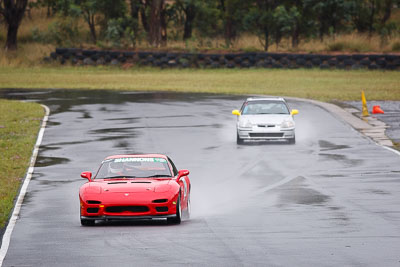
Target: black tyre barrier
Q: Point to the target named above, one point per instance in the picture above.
(60, 51)
(79, 56)
(381, 63)
(343, 57)
(143, 55)
(325, 57)
(102, 53)
(276, 56)
(94, 57)
(129, 54)
(373, 67)
(316, 61)
(88, 53)
(107, 58)
(238, 59)
(285, 61)
(332, 62)
(74, 61)
(301, 61)
(365, 62)
(300, 56)
(356, 67)
(308, 65)
(171, 56)
(396, 62)
(245, 64)
(390, 67)
(100, 61)
(163, 60)
(261, 56)
(349, 62)
(308, 57)
(359, 57)
(114, 62)
(66, 55)
(374, 57)
(324, 66)
(88, 61)
(391, 57)
(341, 66)
(114, 54)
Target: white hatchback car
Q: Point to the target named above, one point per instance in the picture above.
(265, 119)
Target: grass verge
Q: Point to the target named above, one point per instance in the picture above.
(19, 125)
(324, 85)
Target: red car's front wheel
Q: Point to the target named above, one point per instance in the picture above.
(177, 219)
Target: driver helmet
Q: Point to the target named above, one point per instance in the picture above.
(115, 167)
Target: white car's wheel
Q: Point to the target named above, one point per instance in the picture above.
(239, 140)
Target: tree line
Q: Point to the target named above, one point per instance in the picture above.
(154, 20)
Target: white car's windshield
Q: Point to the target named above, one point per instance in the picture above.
(134, 167)
(264, 107)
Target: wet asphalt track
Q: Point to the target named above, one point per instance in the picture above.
(332, 199)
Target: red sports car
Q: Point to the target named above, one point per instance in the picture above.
(126, 187)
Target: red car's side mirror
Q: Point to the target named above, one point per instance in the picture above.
(182, 173)
(87, 175)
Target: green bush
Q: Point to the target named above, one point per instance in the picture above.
(37, 35)
(63, 32)
(348, 46)
(396, 47)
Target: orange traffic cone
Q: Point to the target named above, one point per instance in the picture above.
(377, 110)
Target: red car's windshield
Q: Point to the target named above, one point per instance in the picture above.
(134, 167)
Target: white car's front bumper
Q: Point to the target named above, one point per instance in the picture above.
(260, 133)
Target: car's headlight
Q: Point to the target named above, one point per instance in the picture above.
(287, 124)
(245, 124)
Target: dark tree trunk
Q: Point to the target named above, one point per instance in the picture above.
(321, 31)
(13, 12)
(371, 19)
(156, 24)
(11, 43)
(387, 11)
(143, 15)
(92, 29)
(297, 25)
(90, 19)
(163, 23)
(230, 33)
(48, 9)
(295, 35)
(135, 8)
(190, 13)
(266, 39)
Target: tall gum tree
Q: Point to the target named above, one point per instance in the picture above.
(12, 11)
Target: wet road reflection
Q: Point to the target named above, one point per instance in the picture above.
(331, 199)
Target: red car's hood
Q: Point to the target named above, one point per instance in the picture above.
(132, 185)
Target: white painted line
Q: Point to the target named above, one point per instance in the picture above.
(390, 149)
(14, 217)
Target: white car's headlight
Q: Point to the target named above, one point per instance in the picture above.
(287, 124)
(245, 124)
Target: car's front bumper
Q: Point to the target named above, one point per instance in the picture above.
(130, 218)
(257, 133)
